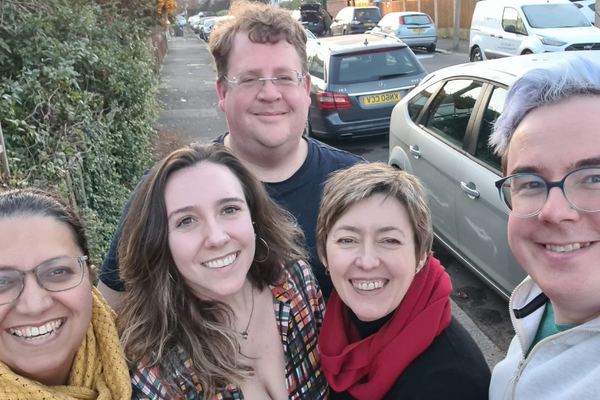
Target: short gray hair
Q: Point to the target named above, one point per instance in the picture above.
(539, 87)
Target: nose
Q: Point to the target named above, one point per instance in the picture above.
(269, 92)
(34, 299)
(368, 258)
(557, 208)
(215, 235)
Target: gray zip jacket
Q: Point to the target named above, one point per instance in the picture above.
(560, 367)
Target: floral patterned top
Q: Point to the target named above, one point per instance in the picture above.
(299, 308)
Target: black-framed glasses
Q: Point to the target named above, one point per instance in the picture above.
(525, 194)
(55, 275)
(252, 82)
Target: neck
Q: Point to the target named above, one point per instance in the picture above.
(270, 165)
(56, 377)
(574, 314)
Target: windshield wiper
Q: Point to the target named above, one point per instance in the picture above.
(392, 75)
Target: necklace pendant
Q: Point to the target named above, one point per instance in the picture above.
(244, 335)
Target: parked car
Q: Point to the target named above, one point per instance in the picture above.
(195, 25)
(416, 29)
(180, 21)
(204, 14)
(588, 9)
(204, 27)
(504, 28)
(193, 19)
(212, 24)
(439, 132)
(355, 20)
(355, 83)
(310, 35)
(310, 17)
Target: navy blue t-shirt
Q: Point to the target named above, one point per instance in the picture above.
(300, 195)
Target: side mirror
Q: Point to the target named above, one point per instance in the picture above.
(510, 29)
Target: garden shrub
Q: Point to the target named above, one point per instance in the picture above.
(77, 92)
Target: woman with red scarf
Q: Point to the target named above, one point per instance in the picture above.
(388, 331)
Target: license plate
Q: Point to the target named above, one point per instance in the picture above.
(369, 24)
(381, 98)
(420, 30)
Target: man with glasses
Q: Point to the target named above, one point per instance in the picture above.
(549, 139)
(263, 87)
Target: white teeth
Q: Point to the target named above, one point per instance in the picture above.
(368, 286)
(33, 332)
(222, 262)
(567, 248)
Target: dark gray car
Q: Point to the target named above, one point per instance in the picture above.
(355, 83)
(355, 20)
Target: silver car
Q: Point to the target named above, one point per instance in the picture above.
(439, 132)
(416, 29)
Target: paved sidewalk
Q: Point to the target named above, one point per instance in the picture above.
(446, 45)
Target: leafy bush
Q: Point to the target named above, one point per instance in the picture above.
(78, 89)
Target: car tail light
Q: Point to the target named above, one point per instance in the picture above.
(430, 20)
(330, 100)
(401, 20)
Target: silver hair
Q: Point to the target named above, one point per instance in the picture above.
(576, 76)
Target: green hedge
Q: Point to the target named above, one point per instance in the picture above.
(78, 103)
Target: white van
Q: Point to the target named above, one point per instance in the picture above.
(504, 28)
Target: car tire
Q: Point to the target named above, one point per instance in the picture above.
(476, 54)
(344, 32)
(526, 51)
(307, 129)
(431, 49)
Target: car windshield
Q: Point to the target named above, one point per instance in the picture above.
(376, 65)
(367, 14)
(548, 16)
(416, 20)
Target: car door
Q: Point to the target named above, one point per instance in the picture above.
(437, 149)
(481, 217)
(509, 39)
(338, 22)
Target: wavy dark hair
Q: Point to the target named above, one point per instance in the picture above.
(162, 318)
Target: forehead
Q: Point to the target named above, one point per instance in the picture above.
(51, 237)
(262, 57)
(374, 210)
(204, 183)
(554, 138)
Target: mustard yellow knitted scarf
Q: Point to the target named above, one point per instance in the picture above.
(99, 370)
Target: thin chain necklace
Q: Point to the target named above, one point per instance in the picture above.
(245, 333)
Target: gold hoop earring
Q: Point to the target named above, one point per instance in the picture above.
(266, 245)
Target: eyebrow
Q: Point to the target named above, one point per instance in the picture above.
(220, 202)
(13, 267)
(532, 169)
(383, 229)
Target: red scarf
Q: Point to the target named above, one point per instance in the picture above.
(368, 368)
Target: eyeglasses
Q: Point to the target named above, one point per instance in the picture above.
(525, 195)
(253, 83)
(55, 275)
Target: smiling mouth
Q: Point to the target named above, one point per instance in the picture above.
(567, 248)
(222, 262)
(369, 285)
(38, 332)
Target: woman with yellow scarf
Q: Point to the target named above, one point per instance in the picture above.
(57, 334)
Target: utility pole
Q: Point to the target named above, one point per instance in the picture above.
(597, 23)
(456, 36)
(435, 14)
(4, 171)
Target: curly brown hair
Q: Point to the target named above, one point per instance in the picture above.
(263, 24)
(162, 317)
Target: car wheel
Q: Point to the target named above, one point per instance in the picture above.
(307, 130)
(344, 32)
(431, 49)
(526, 52)
(476, 54)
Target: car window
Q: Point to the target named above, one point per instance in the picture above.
(374, 65)
(416, 104)
(367, 14)
(418, 19)
(317, 66)
(452, 108)
(546, 16)
(592, 7)
(483, 151)
(512, 17)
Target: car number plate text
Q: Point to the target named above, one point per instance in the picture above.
(420, 30)
(369, 24)
(381, 98)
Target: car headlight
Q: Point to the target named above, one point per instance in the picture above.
(550, 41)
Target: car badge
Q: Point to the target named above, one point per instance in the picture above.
(381, 84)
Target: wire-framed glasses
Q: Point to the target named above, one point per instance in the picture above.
(525, 194)
(283, 80)
(55, 275)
